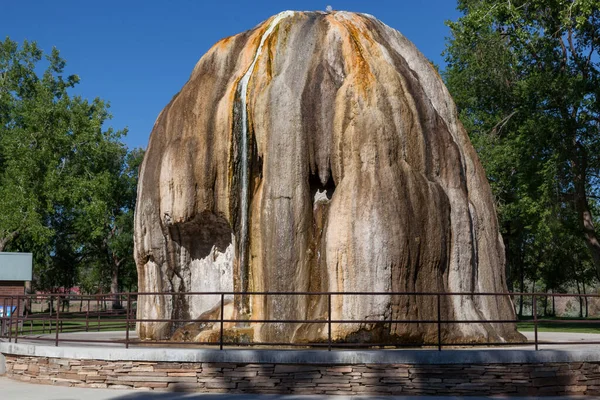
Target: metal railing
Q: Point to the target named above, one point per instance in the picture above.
(68, 314)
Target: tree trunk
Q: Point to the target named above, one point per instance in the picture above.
(582, 207)
(114, 286)
(522, 289)
(507, 255)
(532, 299)
(27, 310)
(587, 224)
(6, 239)
(585, 299)
(580, 299)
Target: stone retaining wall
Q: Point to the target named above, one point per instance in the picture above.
(561, 378)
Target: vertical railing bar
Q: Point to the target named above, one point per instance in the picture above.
(535, 322)
(18, 311)
(10, 321)
(128, 318)
(99, 311)
(31, 302)
(439, 319)
(57, 319)
(87, 316)
(222, 317)
(329, 322)
(3, 320)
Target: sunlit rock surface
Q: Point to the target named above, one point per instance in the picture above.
(317, 152)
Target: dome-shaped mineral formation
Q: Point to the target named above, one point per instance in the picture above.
(318, 152)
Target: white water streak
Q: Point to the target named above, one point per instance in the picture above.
(244, 140)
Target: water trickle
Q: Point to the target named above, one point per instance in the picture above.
(245, 179)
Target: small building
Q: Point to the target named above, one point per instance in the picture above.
(15, 270)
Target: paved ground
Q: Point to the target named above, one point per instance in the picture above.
(14, 390)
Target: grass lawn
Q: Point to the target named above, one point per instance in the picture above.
(36, 326)
(561, 325)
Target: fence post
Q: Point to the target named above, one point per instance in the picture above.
(87, 316)
(57, 319)
(328, 321)
(18, 311)
(222, 317)
(439, 323)
(128, 317)
(535, 322)
(10, 321)
(3, 318)
(99, 311)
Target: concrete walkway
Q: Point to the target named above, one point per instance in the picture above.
(14, 390)
(575, 340)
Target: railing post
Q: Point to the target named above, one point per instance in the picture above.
(10, 321)
(128, 317)
(98, 311)
(3, 318)
(57, 319)
(439, 323)
(222, 317)
(87, 316)
(328, 321)
(535, 322)
(18, 311)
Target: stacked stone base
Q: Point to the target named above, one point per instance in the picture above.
(565, 378)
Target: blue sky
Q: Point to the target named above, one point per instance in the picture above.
(138, 54)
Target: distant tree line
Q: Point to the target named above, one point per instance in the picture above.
(525, 77)
(67, 184)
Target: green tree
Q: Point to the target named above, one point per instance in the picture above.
(65, 182)
(525, 77)
(108, 227)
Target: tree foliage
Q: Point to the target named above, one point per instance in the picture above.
(525, 76)
(67, 186)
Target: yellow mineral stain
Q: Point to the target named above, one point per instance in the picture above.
(270, 45)
(223, 43)
(353, 52)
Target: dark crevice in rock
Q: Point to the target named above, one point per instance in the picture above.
(317, 305)
(235, 156)
(193, 240)
(200, 234)
(319, 190)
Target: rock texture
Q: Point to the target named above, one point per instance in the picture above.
(318, 152)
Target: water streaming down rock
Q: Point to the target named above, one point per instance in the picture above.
(327, 148)
(243, 242)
